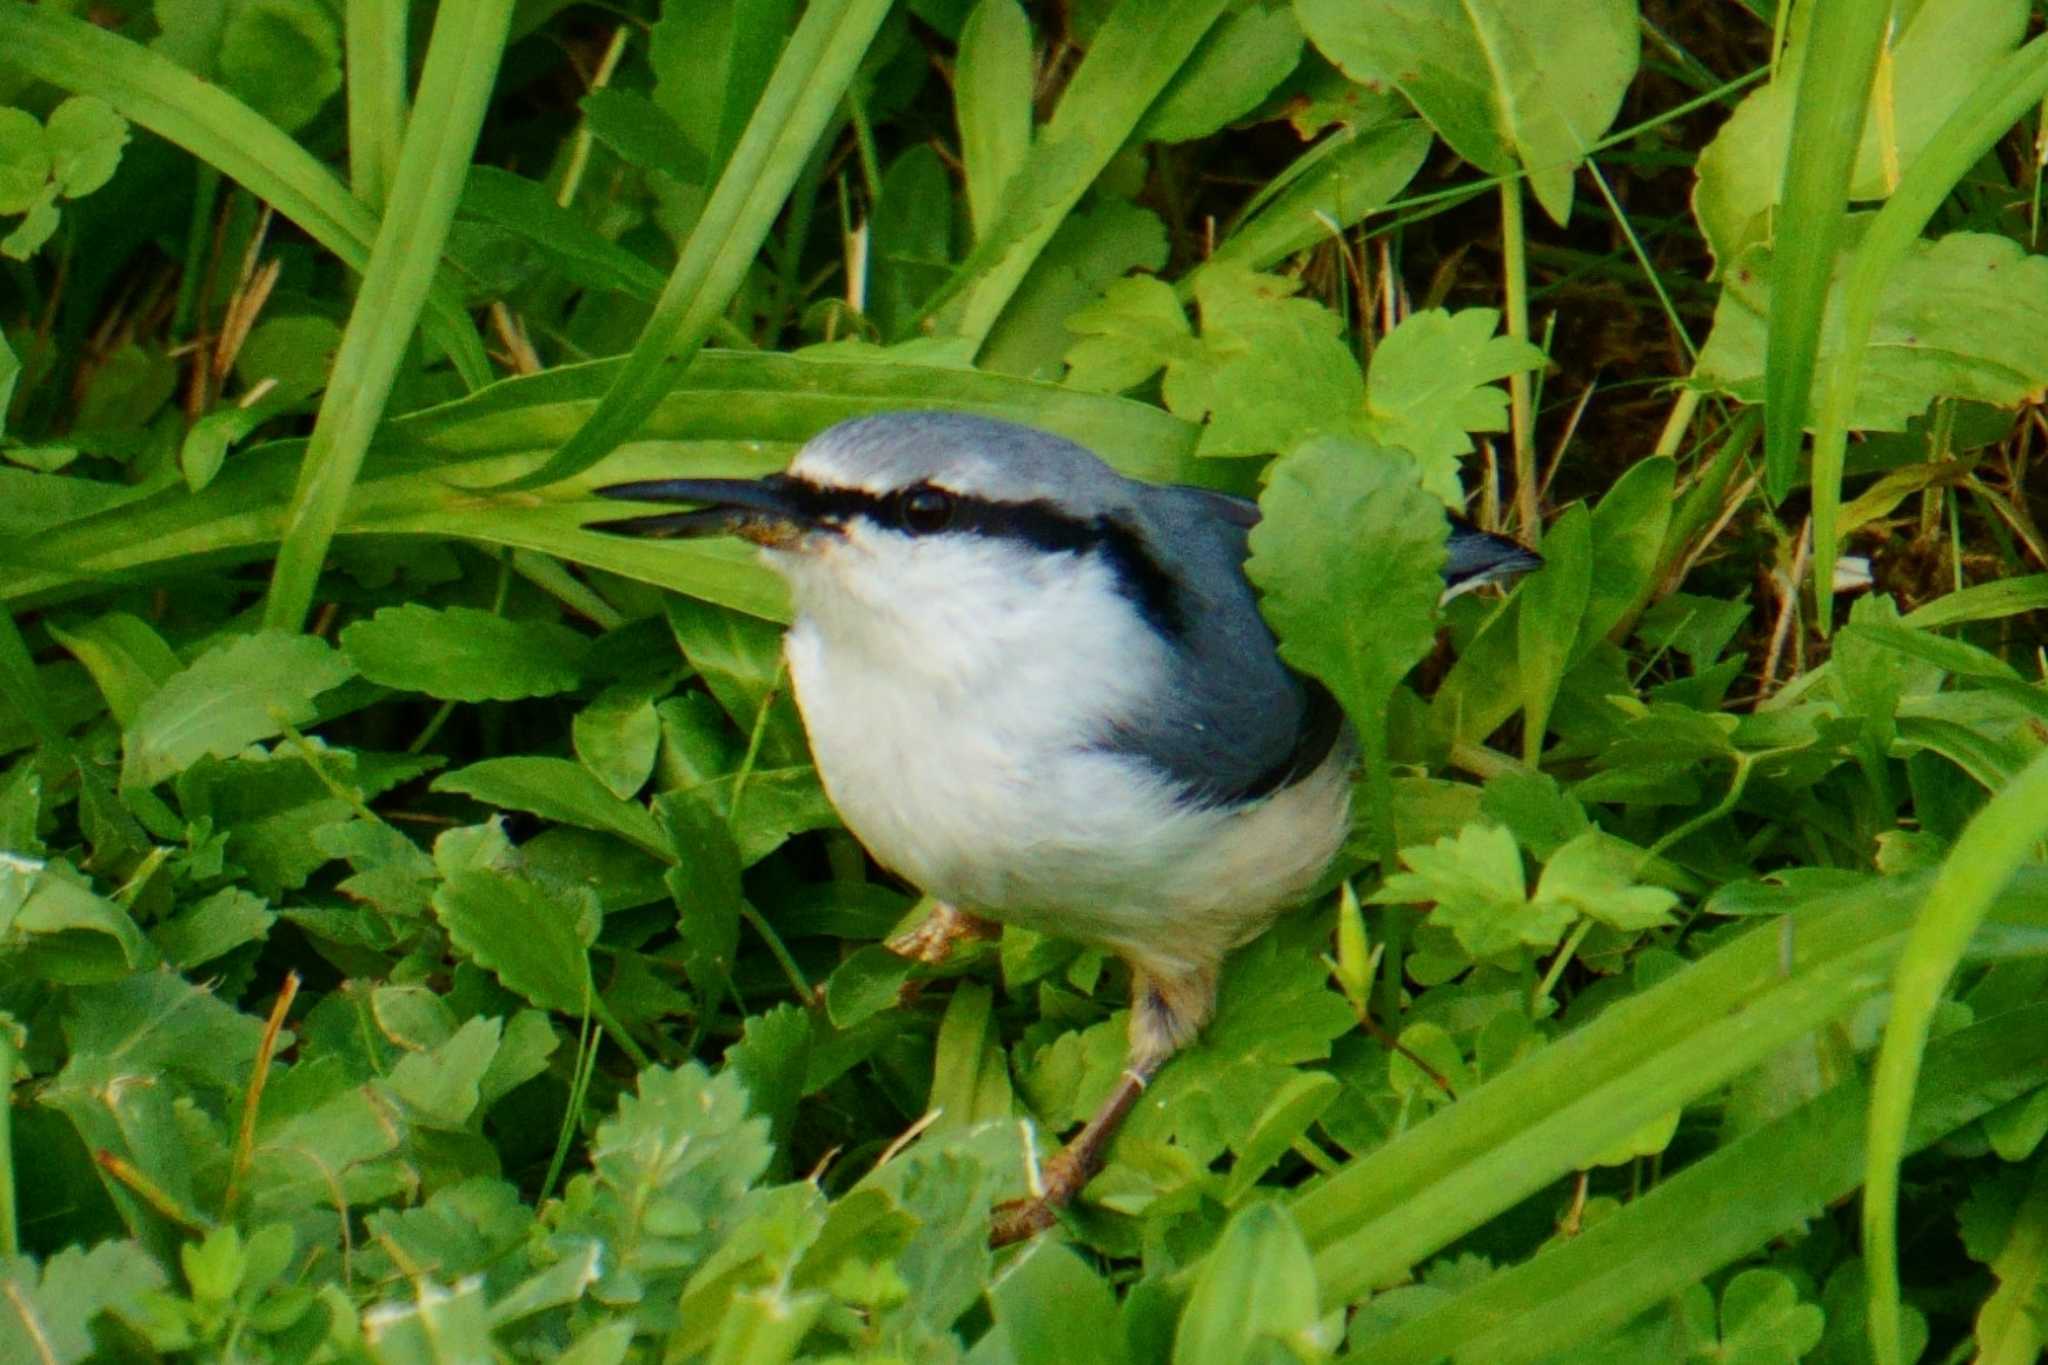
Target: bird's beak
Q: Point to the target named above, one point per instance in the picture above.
(765, 511)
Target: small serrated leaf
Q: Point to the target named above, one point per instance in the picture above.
(462, 654)
(235, 694)
(535, 939)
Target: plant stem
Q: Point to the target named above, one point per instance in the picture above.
(1514, 251)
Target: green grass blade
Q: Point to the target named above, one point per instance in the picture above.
(1688, 1227)
(455, 90)
(1992, 847)
(794, 111)
(1549, 1115)
(1988, 114)
(1133, 56)
(1843, 39)
(1983, 602)
(151, 90)
(732, 413)
(376, 96)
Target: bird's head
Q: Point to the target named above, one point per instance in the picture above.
(916, 511)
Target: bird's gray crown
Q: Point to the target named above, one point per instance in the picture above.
(976, 456)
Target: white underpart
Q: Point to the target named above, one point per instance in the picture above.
(957, 691)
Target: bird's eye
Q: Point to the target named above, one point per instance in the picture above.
(924, 509)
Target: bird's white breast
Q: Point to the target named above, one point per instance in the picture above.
(957, 705)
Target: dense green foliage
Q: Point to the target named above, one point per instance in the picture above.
(423, 936)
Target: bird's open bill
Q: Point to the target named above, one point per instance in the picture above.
(765, 511)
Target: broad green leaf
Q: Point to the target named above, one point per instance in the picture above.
(444, 1086)
(1943, 50)
(1346, 554)
(1431, 382)
(85, 137)
(1627, 534)
(436, 1326)
(2005, 1225)
(1254, 1291)
(1962, 317)
(205, 447)
(1763, 1320)
(992, 79)
(1595, 875)
(705, 883)
(294, 353)
(555, 789)
(1235, 66)
(47, 1314)
(525, 208)
(457, 1231)
(642, 132)
(1475, 883)
(1272, 372)
(864, 985)
(462, 654)
(970, 1078)
(1286, 1117)
(128, 660)
(212, 928)
(536, 939)
(1051, 1306)
(618, 734)
(1548, 612)
(711, 61)
(25, 161)
(235, 694)
(52, 926)
(283, 57)
(1350, 174)
(1528, 84)
(1101, 242)
(740, 660)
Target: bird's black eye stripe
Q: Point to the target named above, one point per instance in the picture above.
(1036, 523)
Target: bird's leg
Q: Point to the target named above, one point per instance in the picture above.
(932, 939)
(1167, 1011)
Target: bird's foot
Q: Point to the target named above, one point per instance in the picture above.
(1073, 1167)
(932, 939)
(1061, 1180)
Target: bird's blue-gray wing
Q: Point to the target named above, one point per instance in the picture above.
(1234, 723)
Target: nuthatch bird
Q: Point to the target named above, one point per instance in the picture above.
(1042, 693)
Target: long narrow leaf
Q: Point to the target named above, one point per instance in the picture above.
(809, 80)
(2014, 87)
(1985, 858)
(455, 89)
(1843, 39)
(220, 130)
(1134, 55)
(1553, 1113)
(376, 96)
(1687, 1227)
(731, 413)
